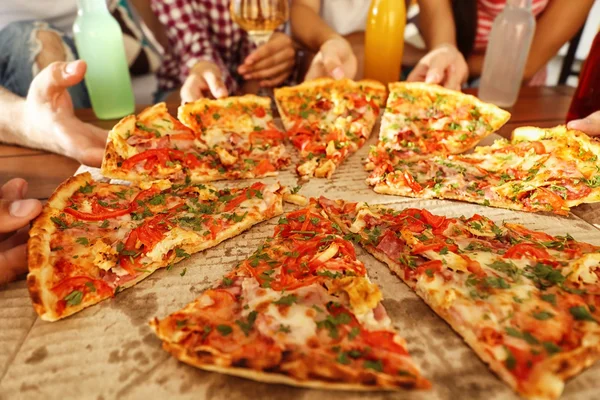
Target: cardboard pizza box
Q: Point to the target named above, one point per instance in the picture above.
(109, 352)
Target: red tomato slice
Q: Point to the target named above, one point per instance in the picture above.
(162, 155)
(410, 182)
(382, 340)
(545, 196)
(96, 216)
(266, 135)
(433, 265)
(260, 112)
(263, 167)
(521, 250)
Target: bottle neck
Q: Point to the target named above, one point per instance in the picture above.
(526, 4)
(92, 6)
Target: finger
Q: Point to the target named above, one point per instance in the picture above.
(274, 81)
(15, 239)
(437, 69)
(316, 68)
(268, 73)
(91, 156)
(453, 79)
(418, 73)
(192, 88)
(277, 43)
(215, 84)
(13, 263)
(589, 125)
(333, 65)
(14, 189)
(284, 56)
(55, 78)
(17, 214)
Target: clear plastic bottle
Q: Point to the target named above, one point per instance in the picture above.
(506, 54)
(99, 42)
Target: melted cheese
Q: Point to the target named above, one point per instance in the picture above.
(584, 269)
(364, 296)
(105, 257)
(174, 238)
(161, 184)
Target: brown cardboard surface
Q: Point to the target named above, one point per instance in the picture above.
(109, 352)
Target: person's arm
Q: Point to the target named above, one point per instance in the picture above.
(201, 66)
(556, 26)
(443, 64)
(436, 23)
(334, 57)
(46, 119)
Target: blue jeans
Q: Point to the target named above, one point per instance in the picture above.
(19, 47)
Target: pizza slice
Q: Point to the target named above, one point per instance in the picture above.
(299, 311)
(231, 138)
(526, 302)
(539, 170)
(94, 239)
(327, 120)
(422, 120)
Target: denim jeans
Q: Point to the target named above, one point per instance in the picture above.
(19, 47)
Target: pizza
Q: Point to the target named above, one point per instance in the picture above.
(422, 120)
(94, 239)
(526, 302)
(327, 120)
(301, 311)
(547, 170)
(231, 138)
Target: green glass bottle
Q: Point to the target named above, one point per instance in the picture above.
(99, 42)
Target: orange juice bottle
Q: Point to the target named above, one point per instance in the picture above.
(384, 40)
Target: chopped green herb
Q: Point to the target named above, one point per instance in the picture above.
(246, 326)
(227, 281)
(224, 330)
(183, 272)
(87, 188)
(181, 323)
(374, 365)
(550, 298)
(287, 300)
(74, 298)
(542, 315)
(90, 286)
(82, 240)
(353, 333)
(104, 224)
(581, 313)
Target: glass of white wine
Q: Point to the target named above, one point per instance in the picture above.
(259, 17)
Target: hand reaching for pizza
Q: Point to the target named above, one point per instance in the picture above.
(444, 65)
(15, 214)
(205, 76)
(589, 124)
(48, 119)
(334, 59)
(271, 63)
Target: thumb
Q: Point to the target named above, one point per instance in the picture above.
(589, 125)
(333, 65)
(437, 70)
(17, 214)
(57, 77)
(215, 84)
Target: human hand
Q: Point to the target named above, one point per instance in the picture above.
(49, 120)
(15, 213)
(589, 124)
(335, 59)
(444, 65)
(271, 63)
(204, 76)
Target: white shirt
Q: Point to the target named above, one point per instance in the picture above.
(59, 13)
(345, 16)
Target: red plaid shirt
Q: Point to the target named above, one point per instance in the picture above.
(200, 30)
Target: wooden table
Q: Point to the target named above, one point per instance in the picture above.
(541, 106)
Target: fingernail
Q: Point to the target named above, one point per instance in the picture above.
(338, 73)
(22, 208)
(71, 68)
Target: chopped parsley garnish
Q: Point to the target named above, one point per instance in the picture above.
(82, 240)
(181, 323)
(74, 298)
(181, 253)
(542, 315)
(227, 281)
(157, 199)
(581, 313)
(246, 326)
(224, 330)
(528, 337)
(376, 365)
(87, 188)
(550, 298)
(183, 272)
(90, 286)
(353, 333)
(149, 130)
(287, 300)
(510, 361)
(331, 323)
(104, 224)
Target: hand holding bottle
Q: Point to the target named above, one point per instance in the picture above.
(205, 76)
(589, 124)
(335, 59)
(48, 119)
(444, 65)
